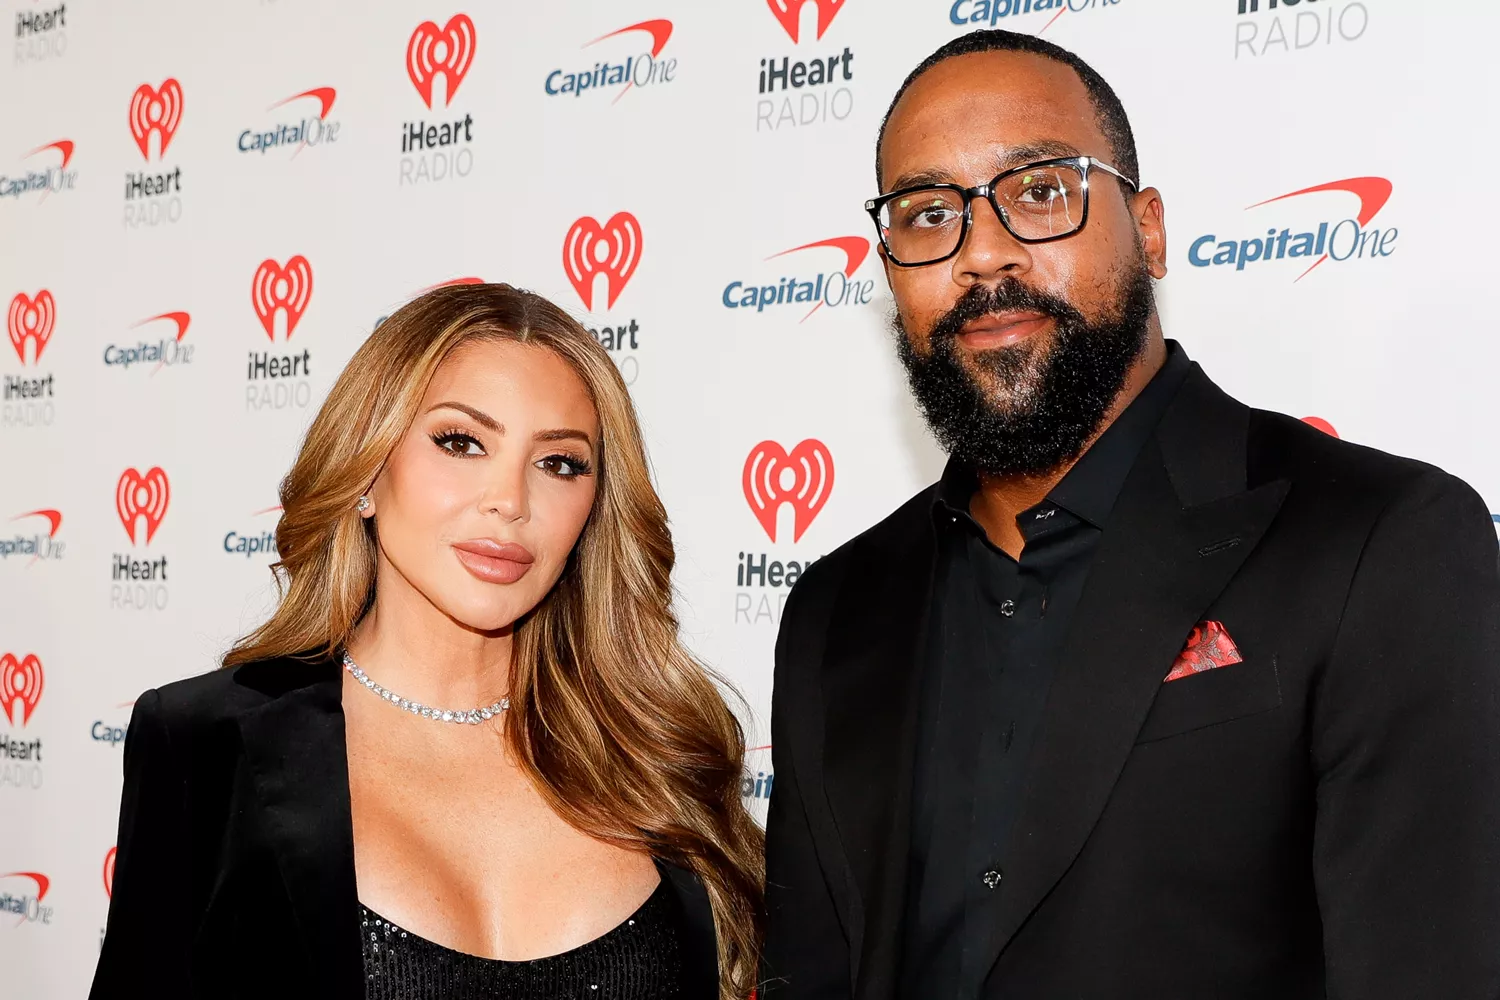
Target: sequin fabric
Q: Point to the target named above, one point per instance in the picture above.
(641, 959)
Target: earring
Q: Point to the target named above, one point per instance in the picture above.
(363, 504)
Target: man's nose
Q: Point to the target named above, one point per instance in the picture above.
(989, 252)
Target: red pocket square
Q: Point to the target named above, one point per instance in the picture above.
(1208, 647)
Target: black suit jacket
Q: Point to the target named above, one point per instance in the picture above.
(235, 870)
(1322, 819)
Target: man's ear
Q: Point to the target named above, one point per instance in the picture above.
(1149, 215)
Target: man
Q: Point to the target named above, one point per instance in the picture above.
(1153, 694)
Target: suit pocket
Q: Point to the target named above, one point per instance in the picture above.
(1214, 696)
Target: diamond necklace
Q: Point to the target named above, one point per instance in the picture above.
(472, 717)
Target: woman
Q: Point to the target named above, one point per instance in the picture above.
(467, 755)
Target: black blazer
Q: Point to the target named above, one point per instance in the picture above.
(1321, 819)
(235, 870)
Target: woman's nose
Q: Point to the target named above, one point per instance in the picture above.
(507, 496)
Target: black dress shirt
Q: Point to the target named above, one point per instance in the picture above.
(997, 626)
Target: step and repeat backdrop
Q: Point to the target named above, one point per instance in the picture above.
(204, 209)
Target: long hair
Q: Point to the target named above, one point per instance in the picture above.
(625, 734)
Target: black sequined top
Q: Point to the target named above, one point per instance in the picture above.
(640, 959)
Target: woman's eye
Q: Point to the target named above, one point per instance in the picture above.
(563, 466)
(460, 444)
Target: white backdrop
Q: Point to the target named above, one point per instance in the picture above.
(364, 157)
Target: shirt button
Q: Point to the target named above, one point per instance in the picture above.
(992, 878)
(1007, 608)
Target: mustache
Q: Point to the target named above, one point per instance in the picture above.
(1010, 295)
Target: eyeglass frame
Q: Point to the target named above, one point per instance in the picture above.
(1084, 164)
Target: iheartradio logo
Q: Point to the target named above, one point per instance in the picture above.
(31, 319)
(803, 479)
(138, 496)
(109, 872)
(276, 287)
(613, 249)
(1321, 425)
(158, 110)
(789, 13)
(448, 50)
(20, 683)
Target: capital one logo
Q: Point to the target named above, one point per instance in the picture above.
(20, 686)
(772, 477)
(639, 70)
(155, 110)
(789, 13)
(31, 319)
(27, 906)
(830, 288)
(142, 496)
(285, 287)
(64, 148)
(613, 249)
(109, 872)
(1348, 239)
(38, 546)
(48, 179)
(448, 50)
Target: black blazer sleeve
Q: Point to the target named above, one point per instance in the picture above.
(1405, 741)
(806, 954)
(148, 937)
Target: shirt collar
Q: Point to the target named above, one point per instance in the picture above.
(1093, 483)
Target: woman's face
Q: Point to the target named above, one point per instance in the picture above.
(482, 501)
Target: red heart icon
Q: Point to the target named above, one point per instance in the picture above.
(20, 680)
(142, 496)
(449, 50)
(276, 287)
(803, 479)
(789, 13)
(617, 242)
(31, 319)
(109, 872)
(158, 110)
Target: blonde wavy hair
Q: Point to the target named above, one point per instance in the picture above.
(626, 735)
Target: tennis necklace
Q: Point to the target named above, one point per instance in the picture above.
(472, 717)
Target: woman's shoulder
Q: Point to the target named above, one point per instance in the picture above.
(223, 694)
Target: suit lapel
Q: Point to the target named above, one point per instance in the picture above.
(1181, 528)
(298, 759)
(870, 683)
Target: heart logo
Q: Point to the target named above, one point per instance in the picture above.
(276, 287)
(142, 496)
(1321, 425)
(613, 248)
(109, 872)
(31, 319)
(789, 13)
(20, 681)
(155, 109)
(433, 50)
(803, 479)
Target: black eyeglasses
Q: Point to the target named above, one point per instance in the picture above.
(1037, 203)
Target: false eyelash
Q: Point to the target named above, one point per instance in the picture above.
(456, 433)
(581, 466)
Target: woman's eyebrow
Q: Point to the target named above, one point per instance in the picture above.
(480, 417)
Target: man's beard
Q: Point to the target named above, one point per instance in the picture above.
(1035, 405)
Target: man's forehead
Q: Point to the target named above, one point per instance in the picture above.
(973, 111)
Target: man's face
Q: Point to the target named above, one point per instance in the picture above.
(1016, 351)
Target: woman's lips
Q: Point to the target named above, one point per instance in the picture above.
(492, 561)
(1000, 329)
